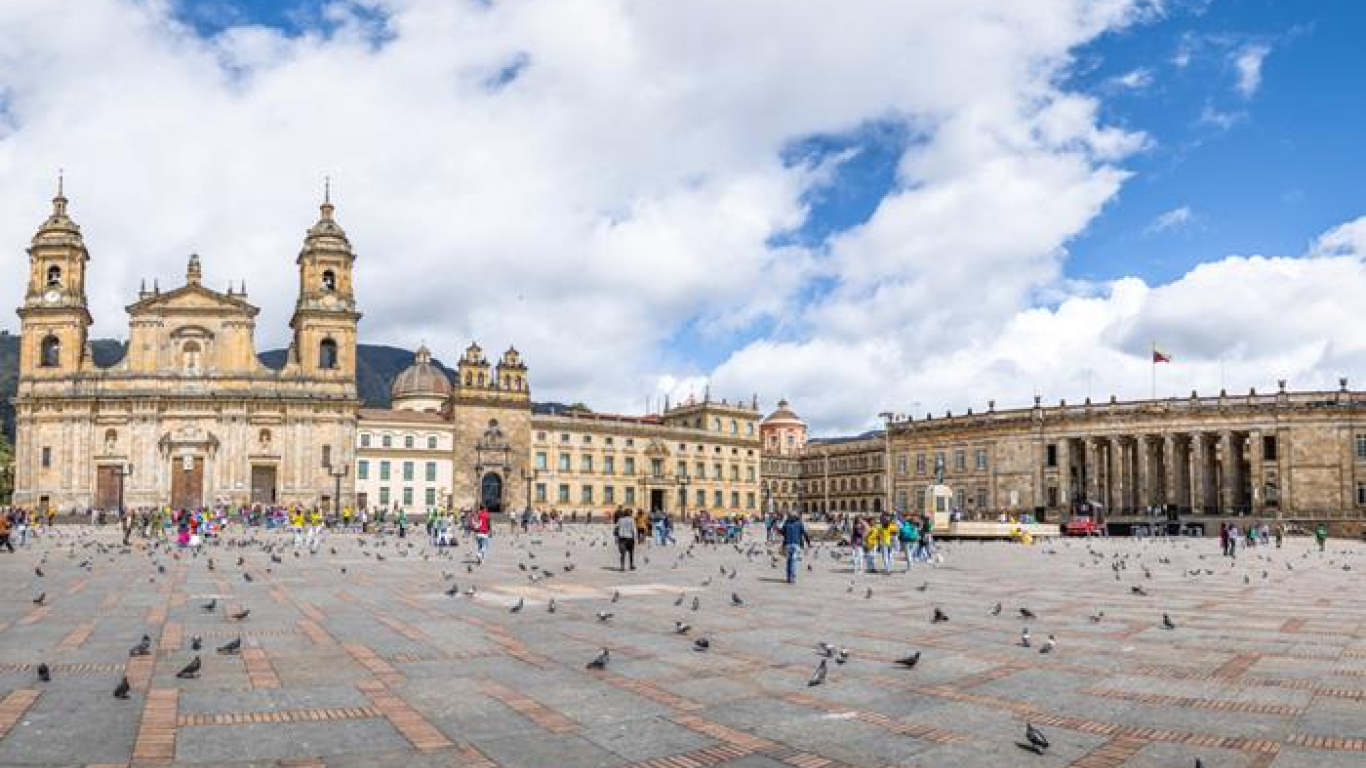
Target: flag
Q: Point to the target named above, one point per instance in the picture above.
(1160, 357)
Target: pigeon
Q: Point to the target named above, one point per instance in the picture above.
(453, 591)
(242, 614)
(1095, 618)
(210, 606)
(842, 655)
(1167, 622)
(37, 571)
(996, 610)
(616, 595)
(696, 602)
(191, 670)
(1138, 591)
(121, 690)
(923, 586)
(825, 649)
(40, 598)
(680, 628)
(604, 615)
(143, 647)
(1035, 736)
(196, 642)
(1049, 644)
(939, 616)
(550, 607)
(909, 661)
(1025, 613)
(44, 673)
(679, 601)
(1024, 638)
(818, 676)
(521, 602)
(231, 647)
(735, 599)
(601, 661)
(246, 576)
(701, 644)
(868, 594)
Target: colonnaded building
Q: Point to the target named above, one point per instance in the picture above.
(189, 417)
(1298, 456)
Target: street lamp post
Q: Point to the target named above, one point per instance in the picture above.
(122, 471)
(337, 471)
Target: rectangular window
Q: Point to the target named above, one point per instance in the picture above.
(1051, 457)
(734, 473)
(630, 442)
(630, 465)
(920, 463)
(407, 441)
(682, 469)
(657, 467)
(607, 440)
(431, 497)
(564, 493)
(564, 437)
(749, 500)
(540, 437)
(47, 456)
(1268, 448)
(384, 497)
(1361, 494)
(701, 471)
(981, 459)
(407, 497)
(901, 465)
(408, 470)
(960, 498)
(363, 470)
(734, 499)
(701, 497)
(1361, 447)
(981, 498)
(387, 441)
(541, 460)
(901, 500)
(749, 474)
(586, 463)
(564, 462)
(384, 470)
(365, 441)
(431, 471)
(609, 465)
(586, 494)
(609, 495)
(540, 492)
(431, 442)
(716, 472)
(630, 495)
(327, 456)
(939, 460)
(587, 439)
(960, 461)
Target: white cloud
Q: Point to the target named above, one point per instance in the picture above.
(625, 184)
(1173, 219)
(1134, 80)
(1248, 61)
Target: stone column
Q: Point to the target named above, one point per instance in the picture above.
(1199, 473)
(1142, 481)
(1118, 486)
(1176, 471)
(1092, 451)
(1065, 473)
(1233, 472)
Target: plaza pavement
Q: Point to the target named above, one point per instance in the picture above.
(379, 666)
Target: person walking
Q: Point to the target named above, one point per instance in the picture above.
(625, 528)
(795, 539)
(483, 529)
(1321, 535)
(5, 528)
(858, 538)
(909, 537)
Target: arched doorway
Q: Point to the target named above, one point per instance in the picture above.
(491, 493)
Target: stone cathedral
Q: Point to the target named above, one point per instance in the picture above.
(190, 415)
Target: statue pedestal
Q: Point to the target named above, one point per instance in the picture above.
(939, 503)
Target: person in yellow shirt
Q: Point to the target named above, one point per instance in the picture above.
(296, 525)
(886, 533)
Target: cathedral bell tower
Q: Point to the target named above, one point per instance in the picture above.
(55, 317)
(325, 315)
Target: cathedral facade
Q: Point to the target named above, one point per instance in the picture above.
(190, 416)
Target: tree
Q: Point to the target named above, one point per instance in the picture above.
(6, 471)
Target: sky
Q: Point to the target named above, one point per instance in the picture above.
(913, 206)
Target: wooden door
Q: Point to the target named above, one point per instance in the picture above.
(107, 488)
(263, 484)
(187, 483)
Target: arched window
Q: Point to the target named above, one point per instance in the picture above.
(111, 440)
(264, 438)
(51, 353)
(327, 354)
(190, 356)
(329, 280)
(54, 276)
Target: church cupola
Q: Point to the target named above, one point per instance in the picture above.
(325, 315)
(55, 314)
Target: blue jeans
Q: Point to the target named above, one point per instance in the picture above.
(792, 551)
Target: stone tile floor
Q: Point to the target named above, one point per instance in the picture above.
(376, 665)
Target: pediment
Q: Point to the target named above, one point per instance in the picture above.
(192, 299)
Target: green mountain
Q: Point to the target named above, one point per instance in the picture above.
(376, 368)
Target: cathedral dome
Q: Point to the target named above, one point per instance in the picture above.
(421, 379)
(783, 415)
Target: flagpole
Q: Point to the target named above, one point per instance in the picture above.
(1152, 361)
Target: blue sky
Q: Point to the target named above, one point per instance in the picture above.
(934, 201)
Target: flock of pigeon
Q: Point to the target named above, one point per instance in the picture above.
(1126, 564)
